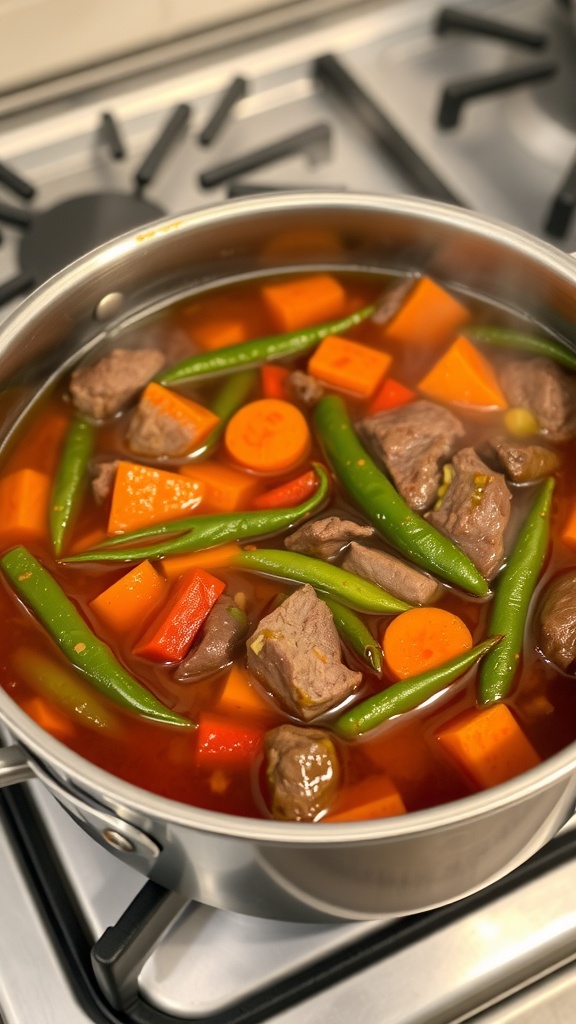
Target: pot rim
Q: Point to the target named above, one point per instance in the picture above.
(52, 753)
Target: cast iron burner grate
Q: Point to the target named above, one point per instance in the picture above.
(55, 237)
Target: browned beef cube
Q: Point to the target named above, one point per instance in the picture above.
(106, 387)
(541, 386)
(223, 632)
(304, 389)
(391, 301)
(295, 652)
(523, 463)
(414, 441)
(302, 772)
(324, 538)
(154, 433)
(392, 574)
(556, 621)
(474, 511)
(104, 474)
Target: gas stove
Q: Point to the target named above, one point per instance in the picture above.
(471, 104)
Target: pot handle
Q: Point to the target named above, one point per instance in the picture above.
(14, 766)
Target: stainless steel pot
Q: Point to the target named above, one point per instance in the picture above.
(273, 869)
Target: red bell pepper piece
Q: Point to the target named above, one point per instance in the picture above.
(224, 742)
(294, 492)
(173, 632)
(390, 395)
(273, 381)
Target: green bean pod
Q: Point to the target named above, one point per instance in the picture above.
(356, 635)
(503, 337)
(371, 490)
(59, 617)
(408, 693)
(512, 597)
(63, 687)
(70, 480)
(351, 590)
(259, 350)
(198, 532)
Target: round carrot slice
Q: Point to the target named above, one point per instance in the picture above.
(268, 436)
(422, 638)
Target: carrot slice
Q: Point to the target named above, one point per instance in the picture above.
(304, 301)
(348, 365)
(195, 420)
(172, 633)
(274, 380)
(293, 492)
(268, 436)
(421, 638)
(428, 316)
(374, 797)
(143, 495)
(212, 558)
(24, 500)
(131, 599)
(390, 395)
(488, 745)
(226, 489)
(464, 376)
(222, 742)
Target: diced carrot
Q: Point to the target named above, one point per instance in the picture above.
(222, 742)
(568, 534)
(488, 745)
(463, 375)
(132, 599)
(304, 301)
(422, 638)
(50, 425)
(348, 365)
(429, 316)
(143, 495)
(89, 539)
(303, 242)
(195, 420)
(212, 558)
(226, 489)
(374, 797)
(268, 436)
(240, 696)
(171, 634)
(390, 395)
(217, 321)
(274, 380)
(24, 501)
(294, 492)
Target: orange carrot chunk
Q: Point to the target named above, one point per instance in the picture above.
(348, 365)
(226, 489)
(422, 638)
(374, 797)
(304, 301)
(194, 421)
(143, 495)
(214, 322)
(428, 316)
(464, 376)
(172, 633)
(569, 529)
(293, 492)
(24, 499)
(212, 558)
(240, 695)
(488, 745)
(274, 380)
(268, 436)
(132, 599)
(390, 395)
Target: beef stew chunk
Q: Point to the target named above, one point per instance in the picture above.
(524, 463)
(556, 621)
(414, 442)
(155, 434)
(304, 389)
(474, 511)
(392, 574)
(324, 538)
(223, 632)
(103, 475)
(302, 772)
(541, 386)
(108, 386)
(295, 652)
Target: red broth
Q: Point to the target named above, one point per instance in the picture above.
(164, 759)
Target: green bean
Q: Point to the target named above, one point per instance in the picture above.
(199, 532)
(59, 617)
(506, 338)
(403, 528)
(512, 597)
(408, 693)
(352, 591)
(356, 635)
(70, 480)
(259, 350)
(63, 687)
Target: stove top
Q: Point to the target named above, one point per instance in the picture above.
(397, 97)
